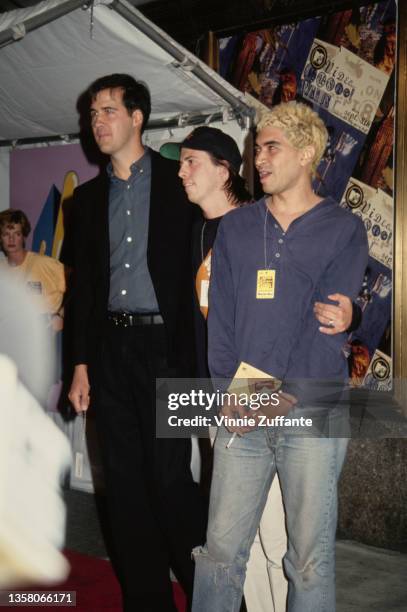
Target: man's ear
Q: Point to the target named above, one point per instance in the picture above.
(307, 155)
(137, 117)
(223, 172)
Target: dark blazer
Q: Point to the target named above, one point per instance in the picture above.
(168, 258)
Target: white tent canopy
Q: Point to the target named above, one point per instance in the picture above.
(51, 52)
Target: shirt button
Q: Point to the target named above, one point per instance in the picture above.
(141, 170)
(123, 292)
(283, 233)
(128, 212)
(277, 254)
(275, 225)
(129, 239)
(128, 186)
(126, 265)
(280, 241)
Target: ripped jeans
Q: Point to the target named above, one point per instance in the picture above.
(308, 468)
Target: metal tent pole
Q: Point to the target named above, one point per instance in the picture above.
(182, 120)
(19, 30)
(192, 64)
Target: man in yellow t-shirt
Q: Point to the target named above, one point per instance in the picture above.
(43, 276)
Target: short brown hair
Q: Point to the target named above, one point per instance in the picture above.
(11, 216)
(136, 95)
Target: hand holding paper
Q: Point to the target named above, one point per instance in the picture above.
(259, 389)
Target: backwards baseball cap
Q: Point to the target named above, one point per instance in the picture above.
(207, 139)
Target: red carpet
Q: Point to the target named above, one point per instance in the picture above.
(96, 586)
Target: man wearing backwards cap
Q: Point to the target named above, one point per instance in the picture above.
(209, 168)
(206, 155)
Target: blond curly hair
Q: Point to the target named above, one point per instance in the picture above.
(301, 125)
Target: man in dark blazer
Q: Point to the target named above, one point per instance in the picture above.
(132, 317)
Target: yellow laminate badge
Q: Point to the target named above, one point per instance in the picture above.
(266, 280)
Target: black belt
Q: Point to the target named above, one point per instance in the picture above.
(127, 319)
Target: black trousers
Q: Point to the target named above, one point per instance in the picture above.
(156, 512)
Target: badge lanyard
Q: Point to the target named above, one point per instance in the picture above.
(202, 240)
(266, 278)
(265, 236)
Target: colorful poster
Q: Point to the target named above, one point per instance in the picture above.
(375, 208)
(343, 84)
(268, 63)
(374, 331)
(34, 171)
(342, 151)
(341, 64)
(379, 374)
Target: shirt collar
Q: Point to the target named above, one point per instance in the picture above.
(142, 165)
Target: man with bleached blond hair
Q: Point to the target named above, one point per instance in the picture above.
(271, 262)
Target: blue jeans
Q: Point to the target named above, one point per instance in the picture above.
(308, 468)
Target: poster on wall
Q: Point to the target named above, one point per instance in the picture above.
(38, 178)
(341, 64)
(343, 84)
(375, 208)
(374, 331)
(378, 376)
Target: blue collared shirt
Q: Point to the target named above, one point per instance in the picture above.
(324, 251)
(131, 287)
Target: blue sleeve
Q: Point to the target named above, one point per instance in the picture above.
(345, 272)
(222, 357)
(319, 357)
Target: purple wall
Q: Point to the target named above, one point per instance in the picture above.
(34, 171)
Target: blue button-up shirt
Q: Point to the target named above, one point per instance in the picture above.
(322, 252)
(131, 288)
